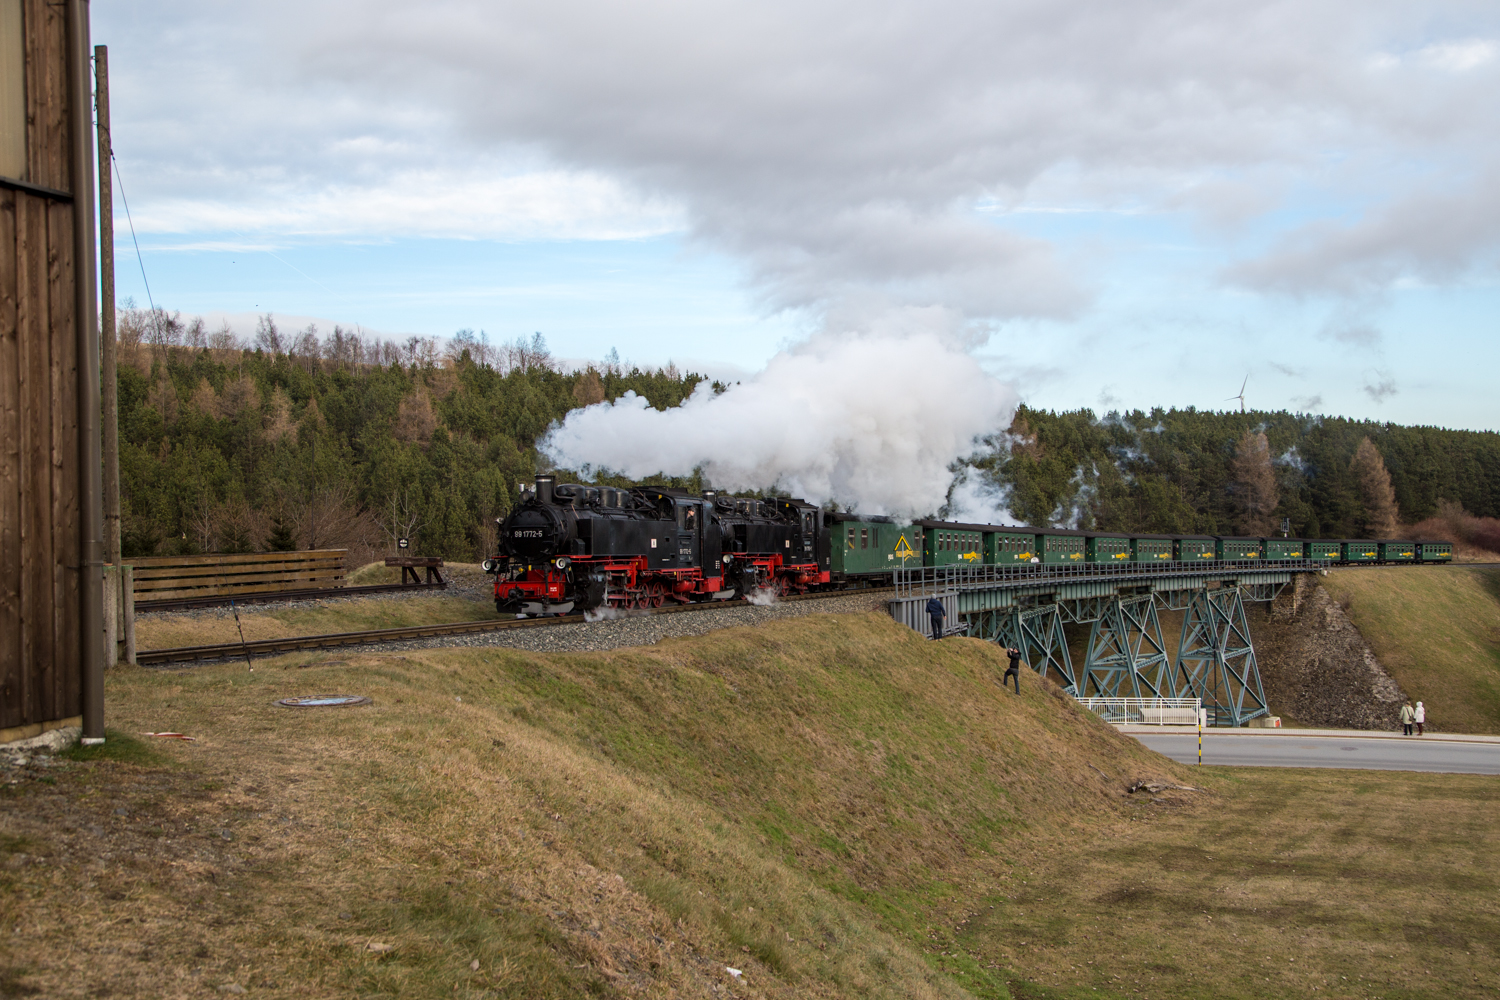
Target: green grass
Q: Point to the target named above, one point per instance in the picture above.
(119, 747)
(1437, 632)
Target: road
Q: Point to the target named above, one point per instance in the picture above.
(1288, 749)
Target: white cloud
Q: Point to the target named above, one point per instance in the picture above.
(837, 151)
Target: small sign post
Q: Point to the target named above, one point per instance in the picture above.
(402, 543)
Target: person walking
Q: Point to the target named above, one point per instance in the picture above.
(937, 613)
(1419, 716)
(1408, 715)
(1014, 670)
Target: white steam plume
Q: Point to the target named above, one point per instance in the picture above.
(871, 419)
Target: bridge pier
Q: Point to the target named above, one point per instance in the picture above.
(1126, 657)
(1216, 659)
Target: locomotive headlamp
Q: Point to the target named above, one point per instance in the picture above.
(562, 562)
(728, 559)
(489, 566)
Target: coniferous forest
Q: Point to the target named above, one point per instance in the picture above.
(306, 441)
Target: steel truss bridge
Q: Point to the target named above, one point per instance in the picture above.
(1027, 607)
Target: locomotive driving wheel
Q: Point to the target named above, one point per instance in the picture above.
(656, 594)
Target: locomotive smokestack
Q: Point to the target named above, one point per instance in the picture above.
(544, 488)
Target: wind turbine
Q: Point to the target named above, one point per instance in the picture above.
(1241, 396)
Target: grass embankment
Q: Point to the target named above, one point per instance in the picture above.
(267, 621)
(829, 804)
(1437, 632)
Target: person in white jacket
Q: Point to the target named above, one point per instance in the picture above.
(1421, 717)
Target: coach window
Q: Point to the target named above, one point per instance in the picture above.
(12, 91)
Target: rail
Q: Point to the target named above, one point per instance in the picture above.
(926, 581)
(268, 647)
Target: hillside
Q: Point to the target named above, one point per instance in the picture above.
(810, 803)
(826, 806)
(1437, 633)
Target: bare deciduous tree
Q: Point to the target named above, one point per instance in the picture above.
(400, 517)
(1381, 515)
(589, 390)
(1255, 492)
(268, 336)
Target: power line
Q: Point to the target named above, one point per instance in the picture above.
(139, 259)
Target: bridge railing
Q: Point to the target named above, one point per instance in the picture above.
(1146, 711)
(923, 581)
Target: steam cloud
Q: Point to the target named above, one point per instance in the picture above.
(871, 419)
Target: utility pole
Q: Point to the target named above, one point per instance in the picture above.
(119, 602)
(107, 313)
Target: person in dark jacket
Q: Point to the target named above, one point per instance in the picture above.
(937, 613)
(1014, 670)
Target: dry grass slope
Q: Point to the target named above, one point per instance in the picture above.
(830, 805)
(820, 804)
(1437, 632)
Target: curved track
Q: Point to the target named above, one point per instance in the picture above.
(271, 647)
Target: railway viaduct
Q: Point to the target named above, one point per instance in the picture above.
(1027, 607)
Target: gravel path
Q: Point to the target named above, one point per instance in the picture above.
(633, 629)
(643, 629)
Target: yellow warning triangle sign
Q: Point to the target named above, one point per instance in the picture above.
(904, 549)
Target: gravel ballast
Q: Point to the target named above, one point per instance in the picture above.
(637, 628)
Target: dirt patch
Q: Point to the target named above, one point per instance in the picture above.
(1316, 667)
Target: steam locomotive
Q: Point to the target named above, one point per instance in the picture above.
(569, 547)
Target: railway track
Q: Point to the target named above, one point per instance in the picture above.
(271, 647)
(222, 601)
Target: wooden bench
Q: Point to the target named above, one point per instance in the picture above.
(410, 564)
(171, 578)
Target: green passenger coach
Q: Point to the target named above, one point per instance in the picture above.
(1238, 549)
(1151, 548)
(1196, 548)
(1394, 551)
(1061, 546)
(1435, 551)
(1282, 548)
(1107, 548)
(1355, 550)
(1007, 548)
(950, 544)
(1324, 551)
(871, 544)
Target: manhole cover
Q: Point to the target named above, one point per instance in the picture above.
(324, 701)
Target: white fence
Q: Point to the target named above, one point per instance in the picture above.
(1146, 711)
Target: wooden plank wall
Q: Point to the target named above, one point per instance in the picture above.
(39, 505)
(170, 578)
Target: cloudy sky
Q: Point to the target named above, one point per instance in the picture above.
(1108, 204)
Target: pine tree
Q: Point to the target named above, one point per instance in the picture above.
(283, 537)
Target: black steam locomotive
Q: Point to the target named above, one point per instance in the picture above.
(572, 547)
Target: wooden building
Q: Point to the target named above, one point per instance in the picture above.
(51, 649)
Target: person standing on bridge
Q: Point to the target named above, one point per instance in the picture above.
(1014, 669)
(937, 613)
(1408, 715)
(1419, 717)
